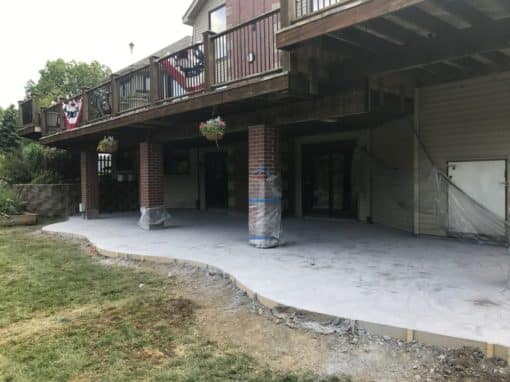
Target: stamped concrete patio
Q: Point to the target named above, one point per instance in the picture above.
(341, 268)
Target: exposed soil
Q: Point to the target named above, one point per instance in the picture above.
(288, 340)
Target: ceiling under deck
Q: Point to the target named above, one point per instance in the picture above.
(432, 40)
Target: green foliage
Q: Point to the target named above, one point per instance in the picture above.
(9, 203)
(8, 127)
(34, 163)
(65, 79)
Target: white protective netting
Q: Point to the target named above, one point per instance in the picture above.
(154, 218)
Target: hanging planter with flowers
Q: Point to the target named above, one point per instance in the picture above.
(108, 145)
(214, 129)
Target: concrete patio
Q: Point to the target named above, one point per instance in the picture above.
(340, 268)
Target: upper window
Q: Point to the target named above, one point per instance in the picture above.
(218, 19)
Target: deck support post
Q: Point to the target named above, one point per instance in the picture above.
(89, 185)
(115, 99)
(155, 80)
(210, 60)
(265, 194)
(152, 195)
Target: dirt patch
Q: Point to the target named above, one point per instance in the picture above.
(291, 341)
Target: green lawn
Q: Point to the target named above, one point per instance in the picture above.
(65, 317)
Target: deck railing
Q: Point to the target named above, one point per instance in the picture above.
(134, 89)
(181, 73)
(27, 115)
(246, 50)
(99, 101)
(302, 8)
(53, 122)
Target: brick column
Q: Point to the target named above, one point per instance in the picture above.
(152, 202)
(264, 186)
(89, 184)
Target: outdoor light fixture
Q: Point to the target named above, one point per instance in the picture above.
(251, 57)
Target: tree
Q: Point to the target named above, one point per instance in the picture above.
(65, 79)
(8, 126)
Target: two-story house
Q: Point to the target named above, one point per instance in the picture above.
(383, 111)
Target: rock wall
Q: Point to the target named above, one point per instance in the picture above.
(50, 199)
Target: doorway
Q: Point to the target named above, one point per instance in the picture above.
(327, 180)
(216, 180)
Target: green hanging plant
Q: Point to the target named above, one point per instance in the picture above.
(108, 145)
(213, 129)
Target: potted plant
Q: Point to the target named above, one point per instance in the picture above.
(213, 129)
(108, 145)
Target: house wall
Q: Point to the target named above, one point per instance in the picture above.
(466, 120)
(392, 184)
(201, 24)
(362, 138)
(183, 191)
(384, 172)
(238, 11)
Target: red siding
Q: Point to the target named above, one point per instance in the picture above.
(240, 11)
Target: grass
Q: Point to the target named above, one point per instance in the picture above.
(64, 317)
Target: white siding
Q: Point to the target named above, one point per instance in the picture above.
(468, 120)
(201, 24)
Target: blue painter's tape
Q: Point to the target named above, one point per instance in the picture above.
(255, 237)
(270, 200)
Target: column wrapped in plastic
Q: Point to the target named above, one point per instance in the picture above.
(266, 213)
(154, 218)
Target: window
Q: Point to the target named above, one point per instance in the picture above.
(218, 19)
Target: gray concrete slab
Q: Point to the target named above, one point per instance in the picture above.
(341, 268)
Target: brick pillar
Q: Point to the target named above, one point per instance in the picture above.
(89, 184)
(265, 194)
(152, 202)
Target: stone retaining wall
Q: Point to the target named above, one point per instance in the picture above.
(50, 199)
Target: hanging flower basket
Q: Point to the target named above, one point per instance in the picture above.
(214, 129)
(108, 145)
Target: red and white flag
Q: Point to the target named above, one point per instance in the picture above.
(72, 113)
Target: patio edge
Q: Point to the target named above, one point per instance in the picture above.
(406, 334)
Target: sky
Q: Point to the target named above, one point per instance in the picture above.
(35, 31)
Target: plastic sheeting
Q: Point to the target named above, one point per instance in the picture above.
(154, 218)
(462, 216)
(265, 221)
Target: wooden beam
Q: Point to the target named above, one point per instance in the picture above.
(254, 88)
(461, 9)
(318, 26)
(493, 35)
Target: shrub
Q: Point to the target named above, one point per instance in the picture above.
(34, 163)
(47, 177)
(9, 202)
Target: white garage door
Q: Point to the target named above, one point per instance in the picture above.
(485, 182)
